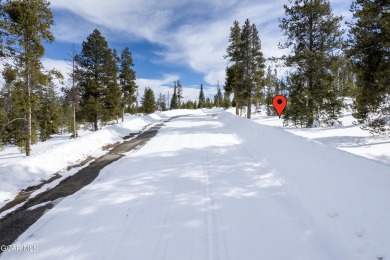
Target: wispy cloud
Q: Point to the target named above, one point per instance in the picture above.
(158, 86)
(192, 33)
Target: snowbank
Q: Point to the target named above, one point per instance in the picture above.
(19, 174)
(347, 137)
(343, 194)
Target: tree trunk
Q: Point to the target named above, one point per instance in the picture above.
(249, 109)
(74, 122)
(95, 123)
(29, 111)
(28, 138)
(310, 112)
(123, 114)
(310, 108)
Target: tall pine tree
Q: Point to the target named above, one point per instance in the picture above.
(148, 101)
(27, 24)
(314, 37)
(161, 103)
(245, 75)
(96, 73)
(71, 97)
(369, 50)
(174, 101)
(179, 93)
(202, 100)
(112, 92)
(252, 62)
(232, 84)
(218, 98)
(49, 112)
(234, 72)
(127, 78)
(271, 89)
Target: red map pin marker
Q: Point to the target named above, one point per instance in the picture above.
(280, 103)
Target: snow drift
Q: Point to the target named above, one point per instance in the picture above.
(17, 175)
(345, 194)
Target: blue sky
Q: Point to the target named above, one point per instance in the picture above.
(169, 39)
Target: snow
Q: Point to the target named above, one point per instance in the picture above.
(347, 137)
(222, 187)
(39, 205)
(18, 172)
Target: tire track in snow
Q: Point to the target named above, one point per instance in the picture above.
(132, 229)
(213, 223)
(167, 227)
(166, 232)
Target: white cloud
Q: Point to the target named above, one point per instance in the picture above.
(177, 25)
(62, 66)
(193, 33)
(157, 85)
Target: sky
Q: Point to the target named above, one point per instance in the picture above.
(170, 40)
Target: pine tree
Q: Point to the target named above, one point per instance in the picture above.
(127, 78)
(297, 107)
(179, 93)
(190, 105)
(246, 74)
(71, 97)
(208, 103)
(232, 84)
(3, 121)
(96, 72)
(48, 114)
(234, 72)
(369, 50)
(314, 36)
(282, 86)
(6, 106)
(201, 102)
(174, 101)
(27, 24)
(148, 101)
(112, 92)
(252, 62)
(218, 98)
(226, 100)
(161, 104)
(271, 85)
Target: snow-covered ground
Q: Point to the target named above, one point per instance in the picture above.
(18, 171)
(348, 137)
(223, 187)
